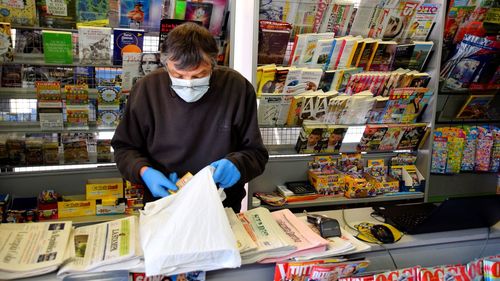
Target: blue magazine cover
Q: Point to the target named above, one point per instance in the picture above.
(126, 40)
(134, 13)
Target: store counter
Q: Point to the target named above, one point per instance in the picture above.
(440, 248)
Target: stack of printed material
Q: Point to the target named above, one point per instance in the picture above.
(271, 240)
(244, 241)
(305, 239)
(31, 249)
(106, 246)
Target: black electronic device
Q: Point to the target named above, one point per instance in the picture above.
(327, 227)
(451, 214)
(300, 187)
(382, 233)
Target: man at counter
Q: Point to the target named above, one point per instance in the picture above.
(188, 115)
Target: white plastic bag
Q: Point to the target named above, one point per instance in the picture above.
(188, 231)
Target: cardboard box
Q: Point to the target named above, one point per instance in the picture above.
(387, 185)
(75, 206)
(110, 206)
(415, 183)
(357, 187)
(104, 188)
(327, 183)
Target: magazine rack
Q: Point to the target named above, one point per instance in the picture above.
(291, 166)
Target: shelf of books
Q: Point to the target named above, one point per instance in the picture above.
(466, 142)
(359, 78)
(67, 68)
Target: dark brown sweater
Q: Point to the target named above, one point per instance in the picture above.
(161, 130)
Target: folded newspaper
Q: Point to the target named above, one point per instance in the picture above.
(30, 249)
(112, 245)
(271, 240)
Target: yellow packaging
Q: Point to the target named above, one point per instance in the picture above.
(104, 188)
(358, 187)
(327, 183)
(76, 206)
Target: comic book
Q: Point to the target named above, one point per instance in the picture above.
(412, 136)
(392, 138)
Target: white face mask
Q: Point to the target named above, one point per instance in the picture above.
(190, 90)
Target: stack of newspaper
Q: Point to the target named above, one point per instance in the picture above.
(304, 238)
(244, 241)
(112, 245)
(31, 249)
(271, 240)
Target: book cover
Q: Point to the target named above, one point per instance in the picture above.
(369, 47)
(6, 48)
(76, 95)
(85, 75)
(48, 94)
(403, 56)
(298, 44)
(58, 47)
(412, 136)
(92, 13)
(134, 14)
(56, 13)
(29, 41)
(346, 57)
(323, 49)
(334, 134)
(94, 45)
(476, 107)
(219, 16)
(278, 10)
(11, 76)
(372, 137)
(383, 57)
(305, 17)
(420, 54)
(311, 138)
(108, 76)
(155, 15)
(325, 84)
(273, 41)
(266, 84)
(273, 109)
(31, 74)
(280, 79)
(292, 82)
(18, 13)
(126, 41)
(108, 118)
(62, 74)
(337, 18)
(108, 96)
(391, 138)
(130, 70)
(199, 11)
(311, 42)
(311, 77)
(77, 117)
(166, 26)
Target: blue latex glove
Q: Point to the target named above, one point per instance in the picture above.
(157, 183)
(226, 174)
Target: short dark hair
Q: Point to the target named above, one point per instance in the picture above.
(189, 45)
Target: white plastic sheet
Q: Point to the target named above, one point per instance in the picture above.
(188, 231)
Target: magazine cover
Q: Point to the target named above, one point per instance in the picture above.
(58, 47)
(412, 136)
(311, 138)
(32, 74)
(400, 19)
(424, 21)
(6, 48)
(126, 41)
(199, 11)
(94, 44)
(29, 41)
(56, 14)
(372, 137)
(476, 107)
(11, 76)
(335, 134)
(383, 56)
(219, 17)
(392, 138)
(134, 14)
(92, 13)
(166, 26)
(19, 13)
